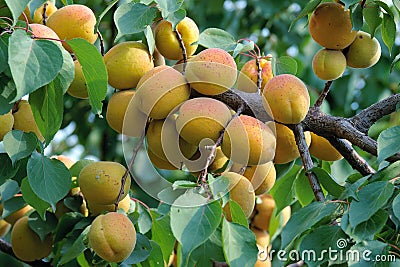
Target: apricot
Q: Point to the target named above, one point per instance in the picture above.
(6, 124)
(286, 99)
(96, 209)
(219, 161)
(73, 21)
(161, 90)
(330, 26)
(117, 107)
(262, 177)
(134, 120)
(240, 191)
(4, 228)
(263, 263)
(126, 63)
(285, 215)
(66, 160)
(364, 51)
(263, 212)
(286, 147)
(211, 72)
(158, 59)
(248, 141)
(42, 31)
(159, 162)
(201, 118)
(167, 41)
(16, 215)
(100, 182)
(329, 64)
(262, 237)
(78, 87)
(112, 236)
(38, 15)
(248, 75)
(26, 244)
(322, 149)
(24, 120)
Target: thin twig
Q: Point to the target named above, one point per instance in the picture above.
(323, 95)
(184, 52)
(259, 75)
(141, 202)
(44, 15)
(102, 49)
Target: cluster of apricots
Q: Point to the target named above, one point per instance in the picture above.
(330, 26)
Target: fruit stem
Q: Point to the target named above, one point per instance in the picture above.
(26, 21)
(184, 53)
(323, 95)
(102, 49)
(141, 202)
(259, 77)
(44, 15)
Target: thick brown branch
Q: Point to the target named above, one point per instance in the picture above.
(7, 249)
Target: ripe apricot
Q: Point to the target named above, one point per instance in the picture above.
(38, 15)
(159, 162)
(78, 87)
(248, 141)
(240, 191)
(322, 149)
(117, 107)
(100, 182)
(262, 177)
(330, 26)
(16, 215)
(24, 120)
(26, 244)
(4, 228)
(286, 147)
(96, 209)
(201, 118)
(161, 90)
(219, 161)
(167, 42)
(286, 99)
(40, 30)
(212, 71)
(112, 236)
(6, 124)
(329, 64)
(248, 75)
(126, 63)
(134, 120)
(364, 52)
(263, 212)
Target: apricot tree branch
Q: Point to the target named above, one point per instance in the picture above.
(44, 15)
(102, 49)
(7, 249)
(259, 75)
(184, 53)
(323, 95)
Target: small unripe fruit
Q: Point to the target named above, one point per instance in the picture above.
(26, 244)
(286, 99)
(329, 64)
(6, 124)
(364, 52)
(24, 120)
(38, 15)
(330, 26)
(112, 236)
(78, 87)
(117, 107)
(167, 42)
(322, 149)
(248, 75)
(100, 182)
(126, 63)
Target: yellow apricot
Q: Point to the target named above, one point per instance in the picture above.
(211, 72)
(78, 87)
(201, 118)
(16, 215)
(134, 121)
(4, 228)
(167, 42)
(364, 52)
(73, 21)
(248, 75)
(117, 107)
(263, 212)
(262, 177)
(42, 31)
(112, 236)
(263, 263)
(322, 149)
(24, 120)
(38, 15)
(240, 191)
(96, 209)
(26, 244)
(126, 63)
(329, 64)
(286, 147)
(286, 99)
(285, 213)
(66, 160)
(159, 162)
(248, 141)
(161, 90)
(262, 237)
(330, 26)
(100, 182)
(219, 161)
(6, 124)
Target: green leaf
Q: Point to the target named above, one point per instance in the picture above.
(219, 187)
(375, 250)
(7, 170)
(94, 71)
(12, 205)
(388, 31)
(396, 206)
(237, 213)
(193, 221)
(328, 182)
(303, 189)
(311, 5)
(8, 189)
(16, 8)
(357, 16)
(155, 258)
(49, 178)
(183, 184)
(239, 245)
(321, 240)
(33, 63)
(75, 249)
(48, 108)
(141, 251)
(32, 199)
(372, 197)
(306, 218)
(19, 145)
(372, 15)
(394, 63)
(176, 17)
(168, 6)
(67, 73)
(351, 190)
(144, 220)
(66, 224)
(387, 143)
(105, 11)
(78, 166)
(4, 51)
(200, 257)
(387, 173)
(133, 18)
(241, 48)
(283, 189)
(35, 4)
(40, 227)
(285, 64)
(385, 7)
(151, 43)
(217, 38)
(162, 234)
